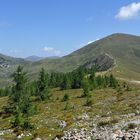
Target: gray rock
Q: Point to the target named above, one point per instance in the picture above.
(62, 124)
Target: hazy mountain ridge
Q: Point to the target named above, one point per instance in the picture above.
(11, 60)
(34, 58)
(7, 67)
(122, 49)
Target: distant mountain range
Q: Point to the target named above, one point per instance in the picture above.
(35, 58)
(118, 51)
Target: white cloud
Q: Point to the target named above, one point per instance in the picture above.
(52, 51)
(89, 42)
(48, 49)
(93, 41)
(130, 11)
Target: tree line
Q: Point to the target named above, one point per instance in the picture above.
(23, 93)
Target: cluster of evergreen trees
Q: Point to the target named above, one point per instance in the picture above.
(21, 94)
(80, 76)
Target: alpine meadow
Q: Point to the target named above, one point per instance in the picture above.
(61, 92)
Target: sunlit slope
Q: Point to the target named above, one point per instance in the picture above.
(123, 48)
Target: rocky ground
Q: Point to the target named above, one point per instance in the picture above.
(112, 116)
(103, 134)
(124, 127)
(103, 130)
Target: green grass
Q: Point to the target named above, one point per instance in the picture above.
(104, 100)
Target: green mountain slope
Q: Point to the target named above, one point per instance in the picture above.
(123, 48)
(7, 67)
(120, 51)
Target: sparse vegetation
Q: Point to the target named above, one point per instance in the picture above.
(64, 89)
(65, 98)
(47, 111)
(88, 102)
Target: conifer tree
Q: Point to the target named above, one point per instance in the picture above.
(85, 86)
(113, 82)
(66, 97)
(92, 79)
(99, 81)
(76, 80)
(66, 83)
(42, 86)
(19, 105)
(18, 118)
(52, 80)
(18, 90)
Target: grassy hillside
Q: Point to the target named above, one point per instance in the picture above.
(11, 60)
(7, 67)
(122, 48)
(125, 50)
(107, 103)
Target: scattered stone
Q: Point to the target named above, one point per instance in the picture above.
(19, 137)
(37, 139)
(83, 117)
(101, 134)
(4, 132)
(62, 124)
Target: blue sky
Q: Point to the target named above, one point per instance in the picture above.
(58, 27)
